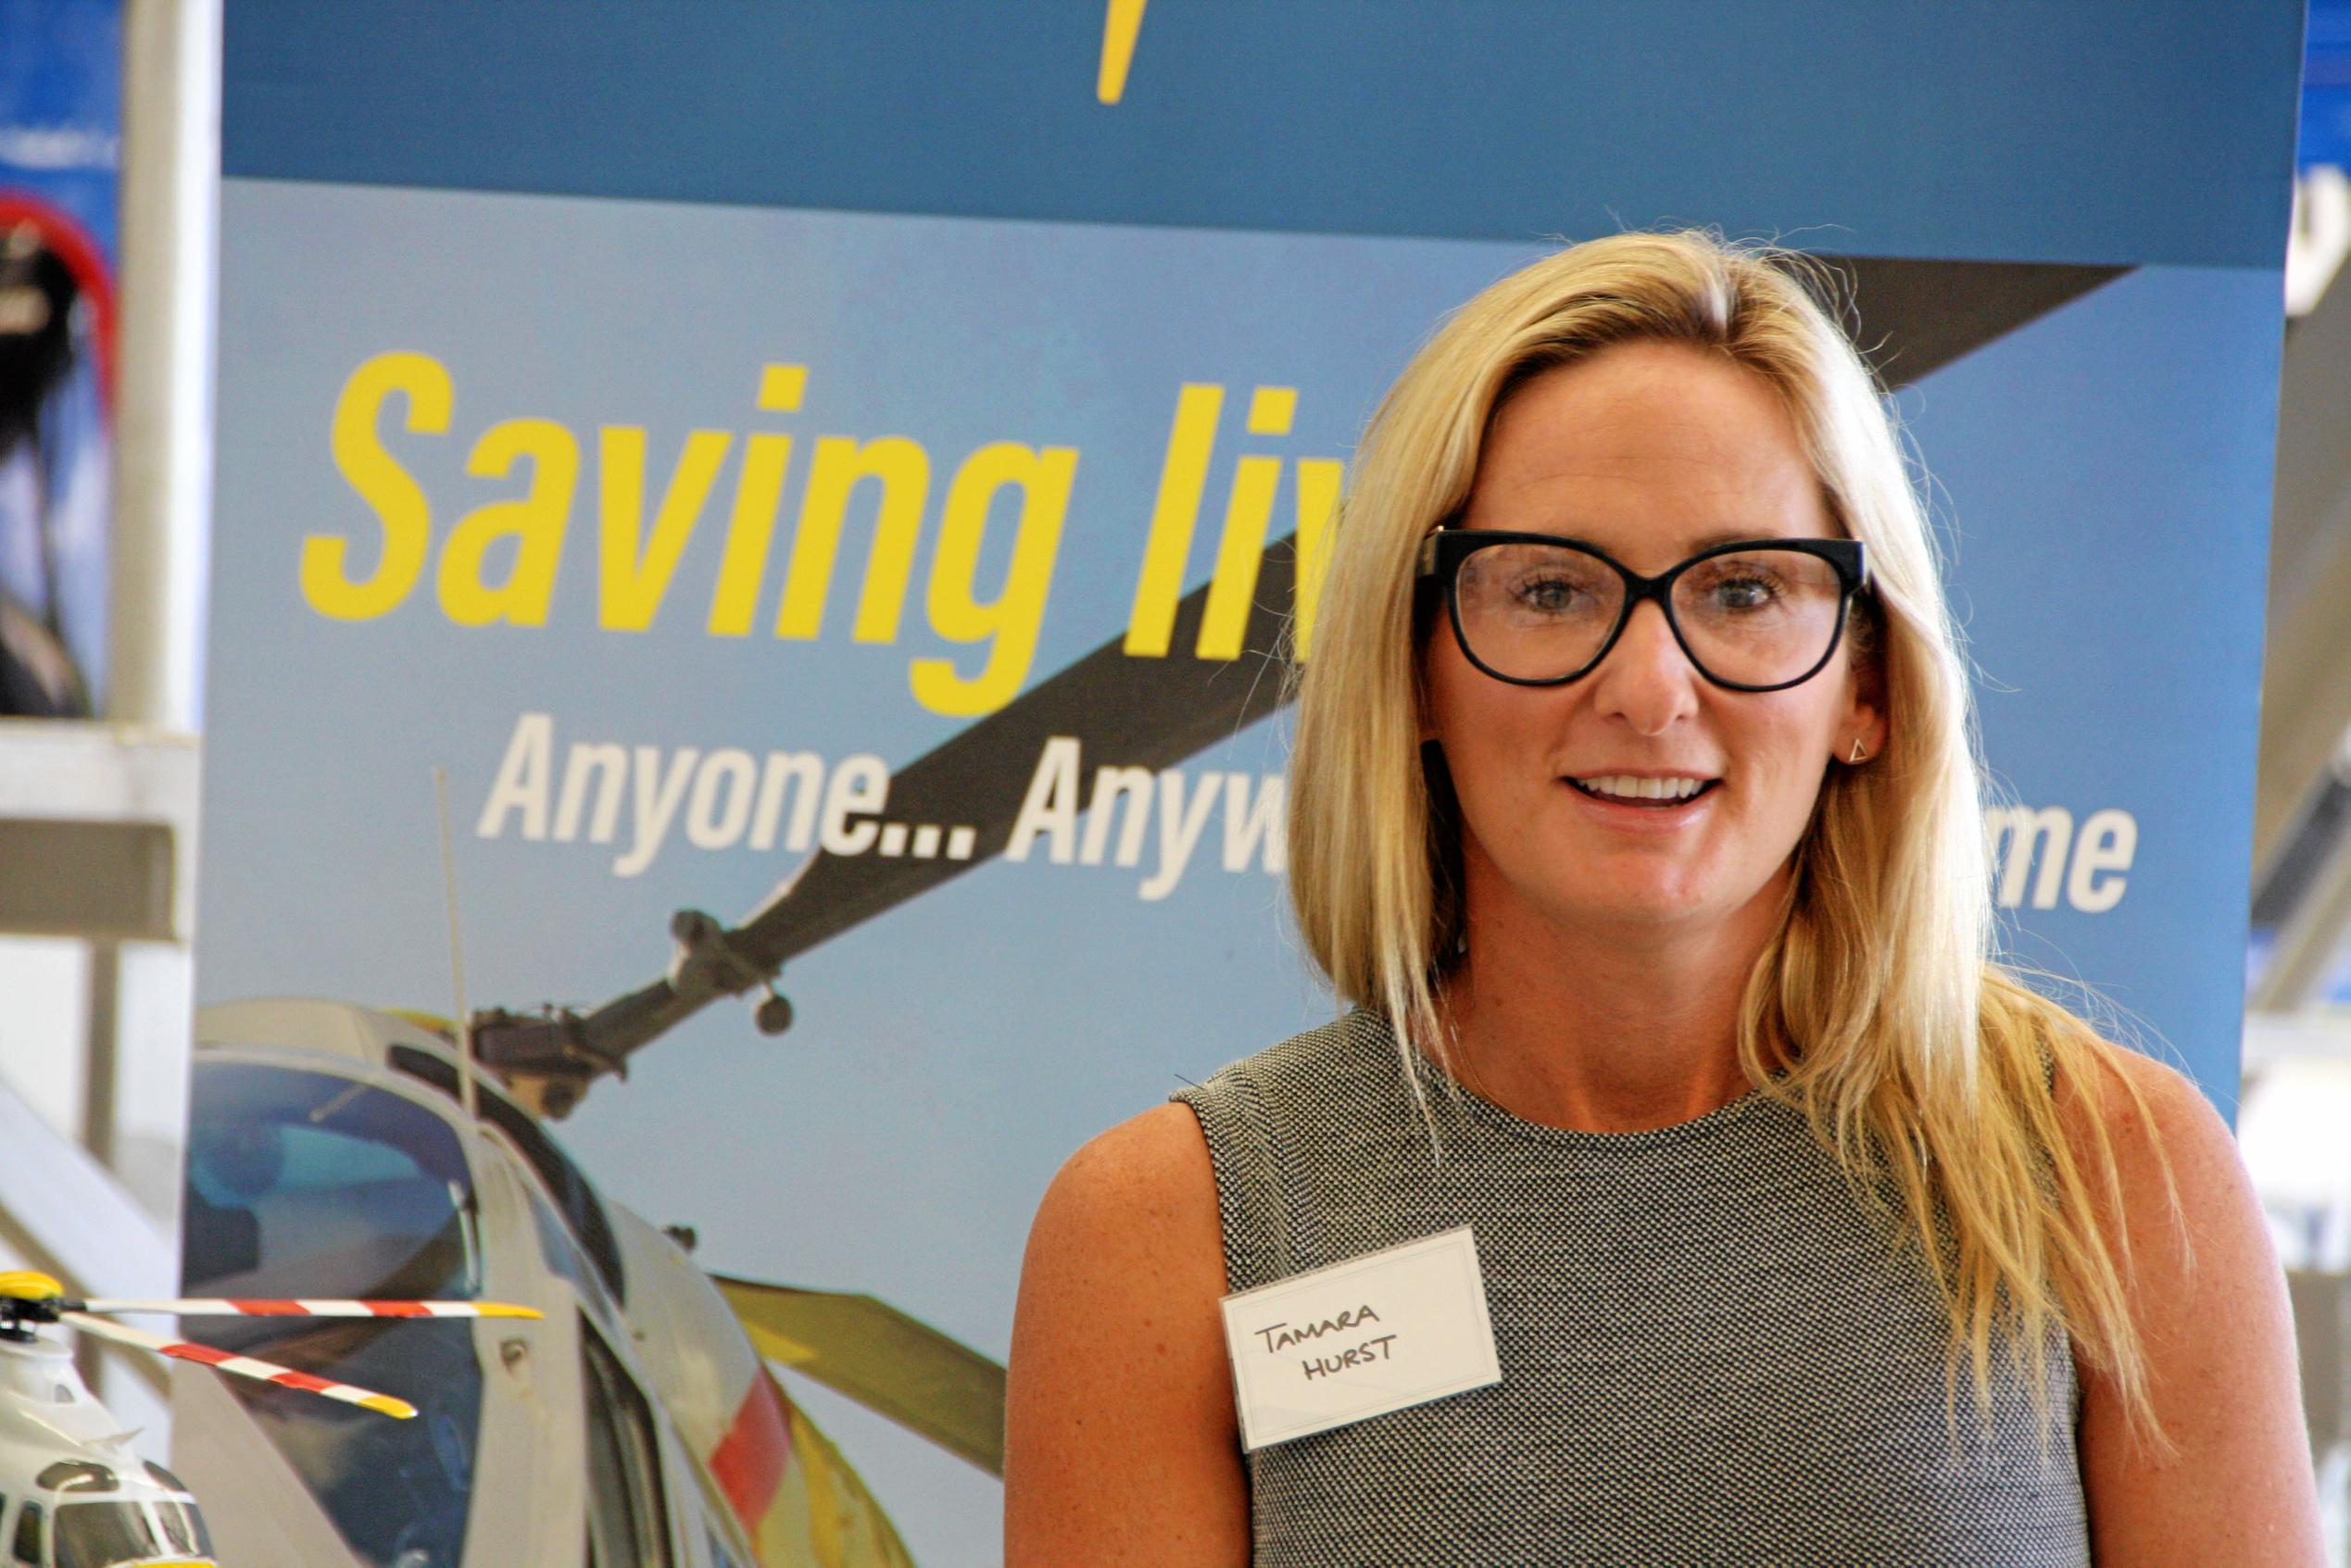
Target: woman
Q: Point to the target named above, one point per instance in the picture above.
(1808, 1235)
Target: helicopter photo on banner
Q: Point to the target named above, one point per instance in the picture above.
(849, 597)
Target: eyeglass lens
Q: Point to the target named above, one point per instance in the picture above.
(1542, 612)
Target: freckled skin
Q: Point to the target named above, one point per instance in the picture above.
(1644, 450)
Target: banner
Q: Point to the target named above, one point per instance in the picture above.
(823, 486)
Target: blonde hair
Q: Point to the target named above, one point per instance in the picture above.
(1876, 1007)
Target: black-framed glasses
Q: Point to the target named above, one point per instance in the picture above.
(1535, 610)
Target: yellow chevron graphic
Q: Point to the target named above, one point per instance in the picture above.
(1124, 20)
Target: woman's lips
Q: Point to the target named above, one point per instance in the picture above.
(1646, 813)
(1645, 803)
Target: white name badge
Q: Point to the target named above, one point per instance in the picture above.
(1361, 1337)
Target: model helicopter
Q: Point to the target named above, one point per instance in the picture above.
(73, 1492)
(641, 1416)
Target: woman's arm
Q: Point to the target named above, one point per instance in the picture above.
(1120, 1442)
(2211, 1308)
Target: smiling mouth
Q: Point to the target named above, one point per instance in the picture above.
(1657, 795)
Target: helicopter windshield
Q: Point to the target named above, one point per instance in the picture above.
(308, 1183)
(100, 1534)
(322, 1185)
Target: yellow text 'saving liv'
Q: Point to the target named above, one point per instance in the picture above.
(498, 562)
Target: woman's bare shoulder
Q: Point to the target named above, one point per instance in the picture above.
(2165, 1135)
(2182, 1200)
(1155, 1164)
(1129, 1225)
(2230, 1481)
(1121, 1442)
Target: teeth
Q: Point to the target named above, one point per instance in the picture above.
(1630, 787)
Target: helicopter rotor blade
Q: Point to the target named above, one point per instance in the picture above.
(1912, 316)
(222, 1306)
(242, 1366)
(1145, 712)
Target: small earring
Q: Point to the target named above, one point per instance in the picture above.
(1857, 754)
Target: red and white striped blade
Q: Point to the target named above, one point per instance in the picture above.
(243, 1366)
(226, 1307)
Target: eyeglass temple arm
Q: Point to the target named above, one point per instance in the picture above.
(1427, 567)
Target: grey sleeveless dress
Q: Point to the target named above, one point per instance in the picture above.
(1709, 1354)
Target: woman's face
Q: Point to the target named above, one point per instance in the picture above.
(1650, 451)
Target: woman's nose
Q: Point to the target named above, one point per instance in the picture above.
(1646, 678)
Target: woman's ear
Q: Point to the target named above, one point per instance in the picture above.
(1867, 725)
(1864, 735)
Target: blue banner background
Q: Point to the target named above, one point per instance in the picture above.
(2019, 129)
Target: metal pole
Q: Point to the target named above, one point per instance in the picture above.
(163, 414)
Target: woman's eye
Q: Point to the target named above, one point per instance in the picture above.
(1745, 592)
(1550, 595)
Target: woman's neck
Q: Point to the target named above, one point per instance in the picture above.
(1603, 1029)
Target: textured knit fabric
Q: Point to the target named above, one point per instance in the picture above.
(1710, 1354)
